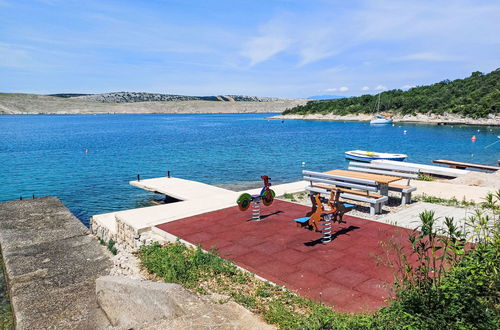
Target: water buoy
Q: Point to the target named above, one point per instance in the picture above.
(473, 138)
(404, 131)
(86, 150)
(303, 163)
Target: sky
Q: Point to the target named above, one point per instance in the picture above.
(281, 48)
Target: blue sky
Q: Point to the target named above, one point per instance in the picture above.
(284, 48)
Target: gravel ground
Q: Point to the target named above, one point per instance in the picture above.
(361, 210)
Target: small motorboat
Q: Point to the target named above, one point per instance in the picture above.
(380, 120)
(368, 156)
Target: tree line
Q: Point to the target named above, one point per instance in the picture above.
(475, 96)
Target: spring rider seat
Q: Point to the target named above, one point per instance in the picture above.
(320, 217)
(266, 196)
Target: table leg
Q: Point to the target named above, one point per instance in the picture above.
(383, 189)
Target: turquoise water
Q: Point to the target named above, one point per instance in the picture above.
(45, 155)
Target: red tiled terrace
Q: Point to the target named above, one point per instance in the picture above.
(345, 273)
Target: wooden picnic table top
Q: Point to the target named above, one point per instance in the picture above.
(379, 178)
(463, 165)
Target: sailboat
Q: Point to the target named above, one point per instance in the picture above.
(380, 120)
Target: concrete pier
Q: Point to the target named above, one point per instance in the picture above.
(135, 227)
(180, 189)
(51, 264)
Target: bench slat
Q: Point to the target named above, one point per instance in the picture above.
(339, 177)
(349, 195)
(393, 173)
(340, 183)
(382, 166)
(360, 193)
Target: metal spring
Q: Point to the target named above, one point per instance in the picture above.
(326, 229)
(256, 209)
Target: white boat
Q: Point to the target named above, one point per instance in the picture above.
(368, 156)
(379, 120)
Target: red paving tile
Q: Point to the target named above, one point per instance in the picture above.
(344, 273)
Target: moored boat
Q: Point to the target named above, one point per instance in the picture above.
(368, 156)
(380, 120)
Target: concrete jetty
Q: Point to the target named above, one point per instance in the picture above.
(181, 189)
(51, 264)
(136, 227)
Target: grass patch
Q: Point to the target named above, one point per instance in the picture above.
(443, 201)
(423, 177)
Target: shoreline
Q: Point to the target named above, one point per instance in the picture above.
(446, 119)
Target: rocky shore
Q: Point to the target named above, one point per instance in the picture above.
(445, 119)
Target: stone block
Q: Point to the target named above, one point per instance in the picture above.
(132, 303)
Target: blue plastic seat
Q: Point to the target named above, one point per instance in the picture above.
(302, 220)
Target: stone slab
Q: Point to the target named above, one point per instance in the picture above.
(156, 305)
(51, 265)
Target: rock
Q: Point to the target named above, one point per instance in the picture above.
(131, 303)
(151, 305)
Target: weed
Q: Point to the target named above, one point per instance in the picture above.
(111, 246)
(423, 177)
(443, 201)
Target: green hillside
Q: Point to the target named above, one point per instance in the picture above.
(475, 96)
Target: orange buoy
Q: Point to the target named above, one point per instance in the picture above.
(86, 150)
(473, 138)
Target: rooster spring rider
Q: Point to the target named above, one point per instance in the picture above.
(266, 196)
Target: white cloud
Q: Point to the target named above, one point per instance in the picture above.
(262, 48)
(331, 90)
(380, 88)
(428, 56)
(407, 86)
(343, 89)
(413, 29)
(365, 88)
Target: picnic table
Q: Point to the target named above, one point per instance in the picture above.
(382, 180)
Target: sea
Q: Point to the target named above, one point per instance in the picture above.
(87, 161)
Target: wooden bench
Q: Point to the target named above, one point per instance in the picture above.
(463, 165)
(361, 190)
(392, 170)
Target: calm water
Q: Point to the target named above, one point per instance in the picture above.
(45, 155)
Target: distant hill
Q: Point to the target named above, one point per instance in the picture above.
(326, 97)
(17, 103)
(476, 96)
(130, 97)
